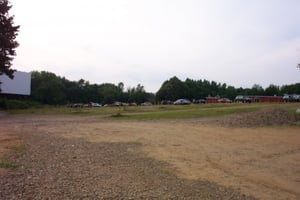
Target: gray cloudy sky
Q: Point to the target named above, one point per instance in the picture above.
(238, 42)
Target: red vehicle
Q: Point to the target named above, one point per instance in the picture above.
(224, 100)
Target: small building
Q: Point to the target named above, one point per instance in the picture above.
(270, 99)
(212, 99)
(259, 99)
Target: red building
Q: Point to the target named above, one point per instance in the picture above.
(252, 99)
(212, 99)
(266, 99)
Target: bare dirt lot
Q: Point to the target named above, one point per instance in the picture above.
(68, 157)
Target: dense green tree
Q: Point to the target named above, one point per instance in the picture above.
(193, 90)
(47, 88)
(72, 91)
(8, 43)
(231, 92)
(137, 94)
(290, 89)
(171, 89)
(272, 90)
(257, 90)
(110, 93)
(121, 86)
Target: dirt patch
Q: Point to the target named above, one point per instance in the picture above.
(261, 118)
(58, 168)
(262, 162)
(86, 157)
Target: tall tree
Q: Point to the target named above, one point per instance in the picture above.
(47, 88)
(272, 90)
(8, 43)
(171, 89)
(137, 94)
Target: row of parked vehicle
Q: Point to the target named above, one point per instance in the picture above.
(195, 101)
(177, 102)
(116, 103)
(291, 98)
(183, 101)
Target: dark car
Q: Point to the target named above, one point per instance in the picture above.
(197, 101)
(166, 102)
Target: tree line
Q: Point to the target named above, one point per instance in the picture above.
(48, 88)
(174, 88)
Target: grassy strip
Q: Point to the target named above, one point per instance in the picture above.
(185, 113)
(6, 164)
(159, 111)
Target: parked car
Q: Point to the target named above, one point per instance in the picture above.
(92, 104)
(239, 98)
(116, 103)
(291, 98)
(242, 99)
(75, 105)
(287, 98)
(146, 104)
(197, 101)
(224, 100)
(166, 102)
(182, 102)
(296, 97)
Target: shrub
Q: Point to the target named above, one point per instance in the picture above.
(17, 104)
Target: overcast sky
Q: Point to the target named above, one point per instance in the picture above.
(238, 42)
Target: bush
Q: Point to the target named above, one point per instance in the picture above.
(3, 103)
(17, 104)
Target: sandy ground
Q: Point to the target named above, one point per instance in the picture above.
(262, 162)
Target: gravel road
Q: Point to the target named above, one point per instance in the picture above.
(52, 167)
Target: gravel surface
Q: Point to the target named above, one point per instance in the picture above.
(265, 117)
(52, 167)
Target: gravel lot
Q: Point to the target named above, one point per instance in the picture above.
(53, 167)
(67, 157)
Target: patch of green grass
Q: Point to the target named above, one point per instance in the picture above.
(188, 112)
(159, 111)
(6, 164)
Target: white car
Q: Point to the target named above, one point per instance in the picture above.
(92, 104)
(182, 102)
